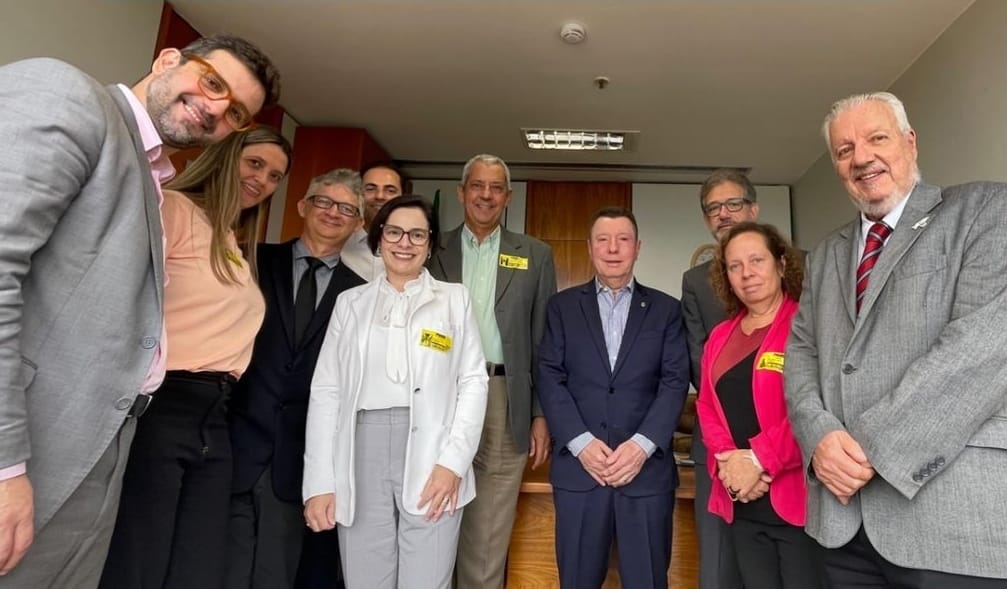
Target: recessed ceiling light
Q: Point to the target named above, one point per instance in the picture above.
(578, 139)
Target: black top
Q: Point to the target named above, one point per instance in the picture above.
(734, 389)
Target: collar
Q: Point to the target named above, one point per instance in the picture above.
(491, 239)
(301, 252)
(153, 146)
(600, 288)
(891, 219)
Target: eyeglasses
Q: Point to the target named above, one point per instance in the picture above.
(394, 233)
(213, 86)
(325, 203)
(733, 205)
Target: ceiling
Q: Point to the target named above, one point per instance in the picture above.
(741, 83)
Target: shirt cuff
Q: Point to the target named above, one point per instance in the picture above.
(12, 471)
(645, 444)
(577, 445)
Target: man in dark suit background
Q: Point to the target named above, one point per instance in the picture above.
(613, 376)
(270, 403)
(511, 277)
(726, 198)
(82, 275)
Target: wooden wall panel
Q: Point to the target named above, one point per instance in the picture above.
(559, 213)
(318, 150)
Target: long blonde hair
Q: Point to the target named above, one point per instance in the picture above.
(211, 182)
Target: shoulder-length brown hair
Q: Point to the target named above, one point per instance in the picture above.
(212, 183)
(781, 250)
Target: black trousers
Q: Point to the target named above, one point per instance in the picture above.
(265, 536)
(857, 565)
(171, 531)
(777, 556)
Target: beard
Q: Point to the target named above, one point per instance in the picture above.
(174, 132)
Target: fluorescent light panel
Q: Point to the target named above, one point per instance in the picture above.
(575, 139)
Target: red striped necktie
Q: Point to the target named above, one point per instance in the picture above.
(876, 237)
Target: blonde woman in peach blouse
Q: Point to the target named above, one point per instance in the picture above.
(172, 524)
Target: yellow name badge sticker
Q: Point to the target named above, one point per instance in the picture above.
(435, 341)
(513, 262)
(771, 361)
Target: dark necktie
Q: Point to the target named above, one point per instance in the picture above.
(876, 237)
(307, 294)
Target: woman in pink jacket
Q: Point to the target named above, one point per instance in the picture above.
(743, 415)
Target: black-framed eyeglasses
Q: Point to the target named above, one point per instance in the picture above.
(394, 233)
(733, 205)
(388, 190)
(325, 203)
(213, 86)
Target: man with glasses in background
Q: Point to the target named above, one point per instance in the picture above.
(511, 277)
(81, 283)
(726, 198)
(382, 182)
(300, 280)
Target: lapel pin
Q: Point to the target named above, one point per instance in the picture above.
(922, 223)
(643, 304)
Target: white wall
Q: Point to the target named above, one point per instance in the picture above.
(112, 40)
(956, 98)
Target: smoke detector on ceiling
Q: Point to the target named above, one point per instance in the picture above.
(573, 33)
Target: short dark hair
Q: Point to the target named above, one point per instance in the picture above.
(387, 165)
(722, 175)
(251, 56)
(414, 201)
(614, 213)
(779, 248)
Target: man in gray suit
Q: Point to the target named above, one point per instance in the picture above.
(726, 198)
(81, 284)
(511, 277)
(895, 368)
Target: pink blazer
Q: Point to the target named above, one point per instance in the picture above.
(775, 447)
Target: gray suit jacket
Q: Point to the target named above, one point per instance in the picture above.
(81, 273)
(918, 379)
(521, 298)
(701, 312)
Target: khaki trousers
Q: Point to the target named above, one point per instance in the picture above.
(487, 523)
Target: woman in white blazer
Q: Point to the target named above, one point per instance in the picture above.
(397, 406)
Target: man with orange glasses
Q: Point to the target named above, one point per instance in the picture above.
(81, 283)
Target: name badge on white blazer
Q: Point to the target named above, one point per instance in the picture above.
(435, 341)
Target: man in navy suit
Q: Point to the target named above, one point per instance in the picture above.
(613, 376)
(270, 403)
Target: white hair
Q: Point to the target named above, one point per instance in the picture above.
(486, 160)
(838, 107)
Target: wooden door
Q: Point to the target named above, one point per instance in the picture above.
(559, 213)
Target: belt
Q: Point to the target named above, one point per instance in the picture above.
(140, 405)
(217, 378)
(495, 369)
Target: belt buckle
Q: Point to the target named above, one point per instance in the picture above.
(140, 405)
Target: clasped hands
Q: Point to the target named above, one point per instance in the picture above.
(612, 468)
(841, 465)
(743, 479)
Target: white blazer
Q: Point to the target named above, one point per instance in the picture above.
(447, 405)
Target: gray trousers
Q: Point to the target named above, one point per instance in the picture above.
(386, 547)
(265, 536)
(718, 562)
(69, 551)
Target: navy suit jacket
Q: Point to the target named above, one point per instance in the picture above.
(269, 405)
(643, 394)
